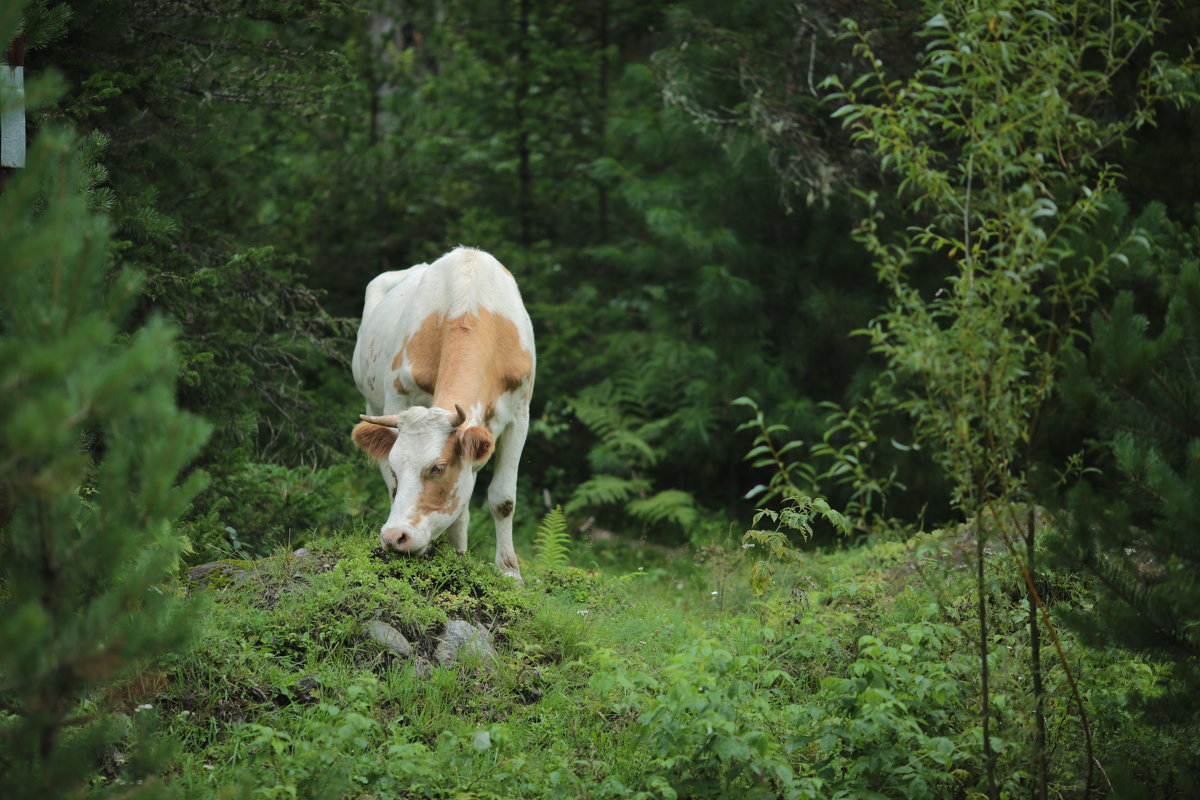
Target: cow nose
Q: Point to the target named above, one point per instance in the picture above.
(398, 539)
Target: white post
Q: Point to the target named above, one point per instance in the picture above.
(12, 116)
(12, 110)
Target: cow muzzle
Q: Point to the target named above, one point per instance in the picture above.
(402, 540)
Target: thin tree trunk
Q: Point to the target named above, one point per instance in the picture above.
(1041, 787)
(989, 757)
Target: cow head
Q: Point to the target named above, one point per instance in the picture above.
(429, 459)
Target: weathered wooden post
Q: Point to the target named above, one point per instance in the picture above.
(12, 110)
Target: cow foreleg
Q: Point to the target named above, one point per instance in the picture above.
(456, 534)
(502, 492)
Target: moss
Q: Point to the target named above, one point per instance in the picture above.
(290, 615)
(580, 585)
(218, 574)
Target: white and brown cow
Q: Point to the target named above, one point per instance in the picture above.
(445, 360)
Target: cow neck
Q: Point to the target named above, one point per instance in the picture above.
(480, 357)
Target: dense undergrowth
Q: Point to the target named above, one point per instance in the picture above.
(651, 673)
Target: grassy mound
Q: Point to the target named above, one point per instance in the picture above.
(661, 675)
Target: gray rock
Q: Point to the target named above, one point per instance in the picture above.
(460, 637)
(207, 573)
(387, 636)
(302, 552)
(305, 688)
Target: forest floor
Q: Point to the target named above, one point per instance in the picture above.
(651, 673)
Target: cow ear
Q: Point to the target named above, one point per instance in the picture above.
(476, 443)
(376, 440)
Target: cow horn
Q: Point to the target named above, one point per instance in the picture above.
(390, 420)
(459, 416)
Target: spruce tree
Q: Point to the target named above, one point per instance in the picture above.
(1134, 523)
(91, 451)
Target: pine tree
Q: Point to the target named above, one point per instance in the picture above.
(91, 450)
(1134, 523)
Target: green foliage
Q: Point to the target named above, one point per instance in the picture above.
(848, 681)
(551, 541)
(369, 720)
(336, 752)
(275, 503)
(787, 477)
(797, 516)
(727, 67)
(1002, 187)
(94, 447)
(799, 509)
(630, 442)
(705, 723)
(321, 760)
(1016, 170)
(854, 680)
(1130, 522)
(900, 710)
(316, 604)
(179, 105)
(41, 23)
(850, 449)
(604, 489)
(671, 506)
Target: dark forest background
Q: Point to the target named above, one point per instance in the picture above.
(661, 178)
(664, 179)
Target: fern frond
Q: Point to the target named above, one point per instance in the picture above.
(632, 446)
(551, 542)
(605, 490)
(672, 505)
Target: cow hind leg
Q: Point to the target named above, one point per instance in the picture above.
(502, 493)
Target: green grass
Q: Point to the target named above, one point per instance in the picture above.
(661, 675)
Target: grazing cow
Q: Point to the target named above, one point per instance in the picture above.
(445, 361)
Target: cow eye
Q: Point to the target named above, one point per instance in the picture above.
(437, 469)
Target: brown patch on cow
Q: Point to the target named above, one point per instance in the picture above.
(424, 349)
(437, 497)
(475, 443)
(469, 359)
(438, 491)
(376, 440)
(504, 508)
(399, 386)
(463, 446)
(398, 359)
